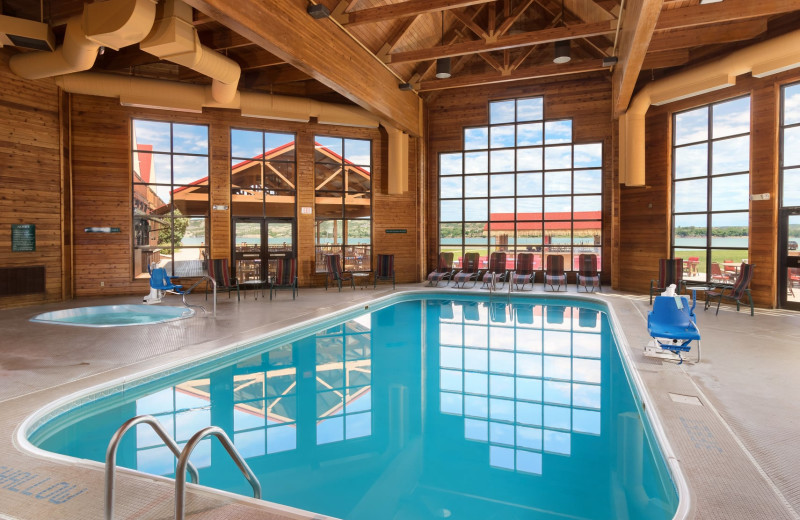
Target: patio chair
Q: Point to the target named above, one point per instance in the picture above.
(285, 276)
(670, 271)
(385, 270)
(497, 270)
(335, 275)
(587, 273)
(221, 274)
(737, 290)
(554, 274)
(444, 270)
(673, 325)
(524, 272)
(469, 270)
(717, 275)
(692, 266)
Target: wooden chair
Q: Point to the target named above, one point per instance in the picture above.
(333, 264)
(737, 290)
(670, 271)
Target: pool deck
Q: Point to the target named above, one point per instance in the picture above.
(731, 420)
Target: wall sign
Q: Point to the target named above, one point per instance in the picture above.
(396, 231)
(23, 237)
(101, 230)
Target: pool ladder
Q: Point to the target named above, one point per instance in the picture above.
(183, 461)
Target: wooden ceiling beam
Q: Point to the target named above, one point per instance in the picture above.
(638, 23)
(697, 36)
(223, 39)
(275, 76)
(254, 57)
(395, 37)
(664, 59)
(506, 42)
(468, 22)
(323, 51)
(513, 17)
(573, 67)
(402, 10)
(727, 11)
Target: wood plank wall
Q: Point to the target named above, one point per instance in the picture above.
(101, 151)
(649, 208)
(586, 100)
(30, 177)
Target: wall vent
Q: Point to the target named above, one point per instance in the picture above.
(16, 281)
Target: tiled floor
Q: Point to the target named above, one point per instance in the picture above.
(731, 419)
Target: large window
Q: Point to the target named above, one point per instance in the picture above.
(262, 174)
(170, 197)
(711, 189)
(790, 150)
(343, 199)
(521, 185)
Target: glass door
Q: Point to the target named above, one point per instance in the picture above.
(248, 250)
(280, 243)
(789, 259)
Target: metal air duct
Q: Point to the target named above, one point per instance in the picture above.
(113, 24)
(762, 59)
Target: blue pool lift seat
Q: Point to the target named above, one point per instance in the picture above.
(161, 284)
(673, 325)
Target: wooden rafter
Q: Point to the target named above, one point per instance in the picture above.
(638, 23)
(513, 17)
(470, 24)
(505, 42)
(403, 9)
(396, 36)
(696, 36)
(286, 30)
(573, 67)
(664, 59)
(727, 11)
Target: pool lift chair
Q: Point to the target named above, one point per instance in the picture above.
(161, 284)
(673, 327)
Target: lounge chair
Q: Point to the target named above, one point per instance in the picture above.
(444, 270)
(555, 314)
(587, 273)
(221, 274)
(335, 275)
(469, 270)
(554, 275)
(497, 270)
(670, 271)
(587, 318)
(285, 276)
(673, 325)
(385, 270)
(737, 290)
(524, 313)
(524, 272)
(498, 312)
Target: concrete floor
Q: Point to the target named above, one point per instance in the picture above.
(736, 444)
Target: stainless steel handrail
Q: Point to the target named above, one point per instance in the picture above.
(111, 456)
(183, 461)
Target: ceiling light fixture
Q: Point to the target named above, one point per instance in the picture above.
(318, 11)
(443, 64)
(610, 61)
(561, 54)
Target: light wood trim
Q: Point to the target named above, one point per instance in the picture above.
(726, 11)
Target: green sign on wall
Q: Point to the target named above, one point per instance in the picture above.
(23, 237)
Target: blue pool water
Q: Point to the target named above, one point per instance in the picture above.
(424, 409)
(114, 315)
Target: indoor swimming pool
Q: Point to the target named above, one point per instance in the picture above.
(426, 408)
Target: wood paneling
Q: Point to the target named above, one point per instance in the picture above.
(645, 212)
(587, 103)
(30, 178)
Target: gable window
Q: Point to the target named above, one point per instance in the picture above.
(170, 197)
(711, 189)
